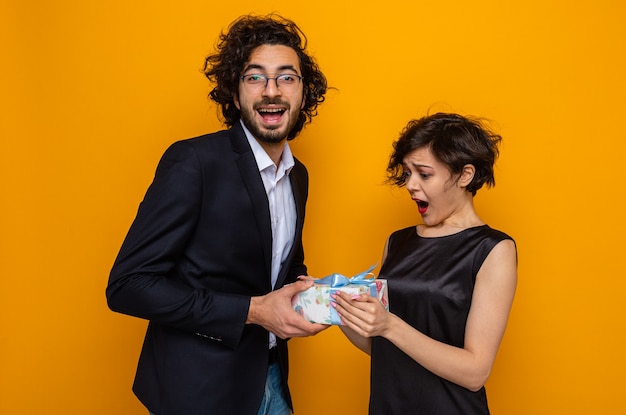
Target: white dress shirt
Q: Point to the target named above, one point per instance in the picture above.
(281, 202)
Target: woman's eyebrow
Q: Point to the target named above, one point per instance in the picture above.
(417, 165)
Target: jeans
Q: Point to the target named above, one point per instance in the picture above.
(273, 399)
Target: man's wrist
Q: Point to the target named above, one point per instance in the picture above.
(253, 311)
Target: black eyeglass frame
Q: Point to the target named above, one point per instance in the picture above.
(267, 79)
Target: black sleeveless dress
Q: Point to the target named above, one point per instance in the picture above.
(430, 282)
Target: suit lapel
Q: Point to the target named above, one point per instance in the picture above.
(254, 185)
(297, 187)
(249, 170)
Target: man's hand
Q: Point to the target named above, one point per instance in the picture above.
(274, 312)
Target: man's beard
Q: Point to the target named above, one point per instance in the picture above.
(264, 134)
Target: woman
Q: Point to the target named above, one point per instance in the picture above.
(451, 279)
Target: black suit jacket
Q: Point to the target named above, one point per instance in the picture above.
(199, 248)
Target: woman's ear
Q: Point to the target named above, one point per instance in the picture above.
(467, 175)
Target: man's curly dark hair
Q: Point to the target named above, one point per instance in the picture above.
(224, 67)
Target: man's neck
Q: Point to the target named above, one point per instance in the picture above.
(274, 150)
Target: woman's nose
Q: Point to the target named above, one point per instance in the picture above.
(412, 184)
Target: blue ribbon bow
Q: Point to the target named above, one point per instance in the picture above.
(338, 280)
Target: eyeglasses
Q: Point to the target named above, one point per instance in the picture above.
(286, 81)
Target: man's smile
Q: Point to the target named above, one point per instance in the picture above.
(271, 115)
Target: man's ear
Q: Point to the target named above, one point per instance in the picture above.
(467, 175)
(236, 101)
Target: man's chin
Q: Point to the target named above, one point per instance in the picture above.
(269, 135)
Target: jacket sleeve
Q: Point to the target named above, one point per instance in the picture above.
(144, 282)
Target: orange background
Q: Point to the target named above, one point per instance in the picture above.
(93, 92)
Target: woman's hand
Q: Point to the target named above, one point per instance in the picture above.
(364, 314)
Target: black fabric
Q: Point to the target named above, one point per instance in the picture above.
(273, 355)
(198, 249)
(430, 282)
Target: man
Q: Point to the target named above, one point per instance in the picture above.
(213, 257)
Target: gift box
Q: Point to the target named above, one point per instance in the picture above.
(314, 303)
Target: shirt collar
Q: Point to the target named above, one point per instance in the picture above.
(263, 160)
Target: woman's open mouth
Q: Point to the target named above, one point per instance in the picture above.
(422, 206)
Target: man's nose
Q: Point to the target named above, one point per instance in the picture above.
(271, 87)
